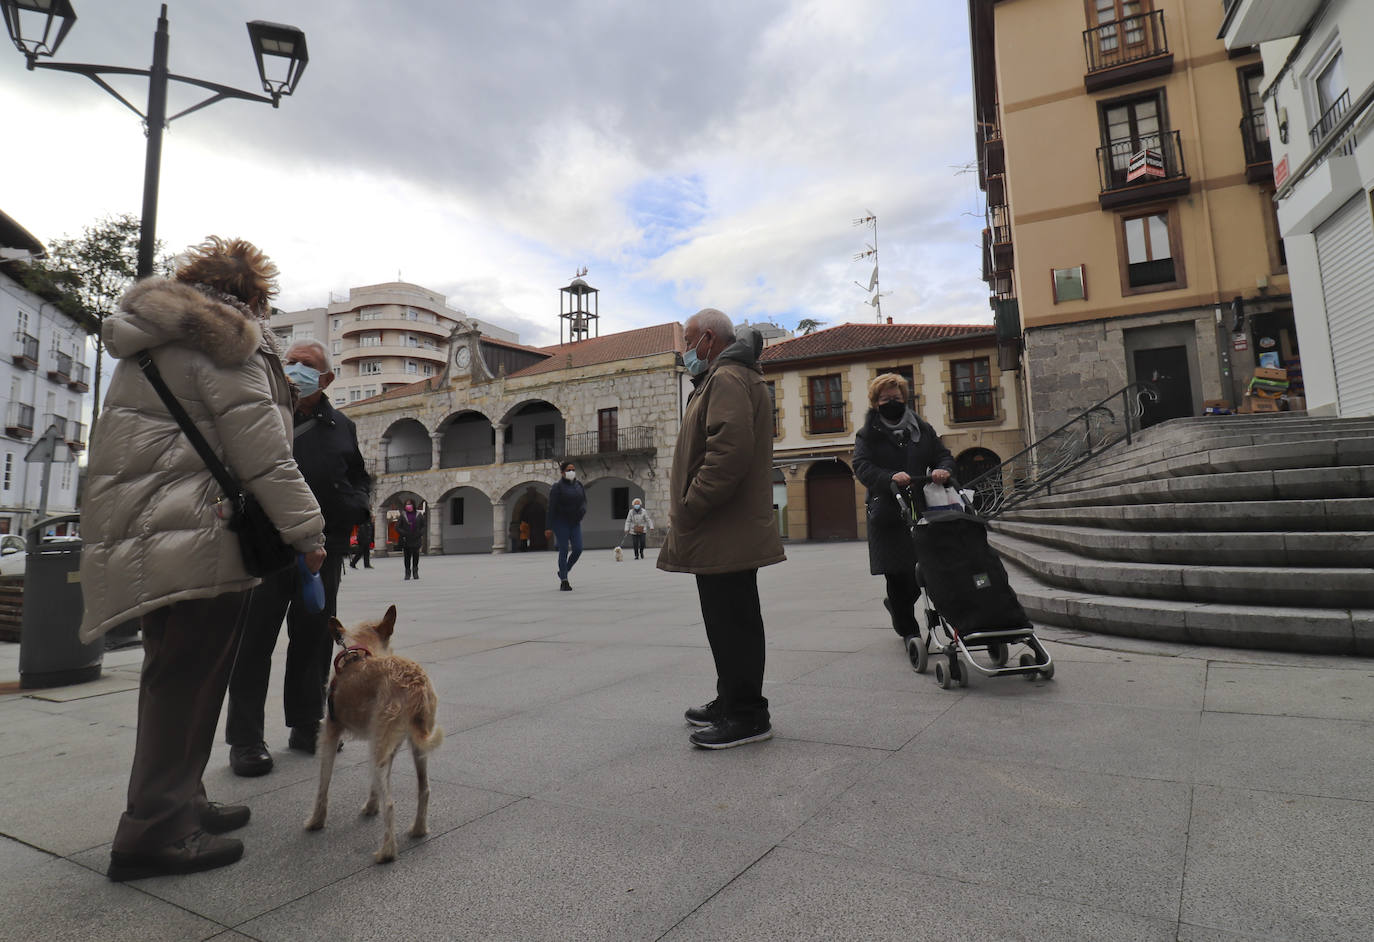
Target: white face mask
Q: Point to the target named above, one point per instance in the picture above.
(570, 475)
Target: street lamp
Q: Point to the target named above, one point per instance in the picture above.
(37, 28)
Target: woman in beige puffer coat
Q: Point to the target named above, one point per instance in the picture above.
(157, 546)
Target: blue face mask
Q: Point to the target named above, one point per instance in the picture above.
(694, 364)
(306, 378)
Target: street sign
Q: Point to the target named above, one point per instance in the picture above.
(1146, 163)
(49, 447)
(1281, 171)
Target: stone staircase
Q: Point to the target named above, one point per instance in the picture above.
(1245, 531)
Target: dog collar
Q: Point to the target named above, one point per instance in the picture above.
(349, 654)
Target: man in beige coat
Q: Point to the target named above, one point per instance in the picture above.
(157, 543)
(721, 520)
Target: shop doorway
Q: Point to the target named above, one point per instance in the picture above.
(1166, 368)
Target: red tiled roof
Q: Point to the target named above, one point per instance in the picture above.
(862, 338)
(626, 345)
(410, 389)
(510, 345)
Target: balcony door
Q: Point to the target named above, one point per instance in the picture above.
(827, 404)
(1130, 127)
(607, 426)
(972, 393)
(1120, 28)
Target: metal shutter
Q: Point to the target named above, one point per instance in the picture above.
(1345, 251)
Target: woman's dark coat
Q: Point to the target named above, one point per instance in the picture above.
(878, 454)
(408, 537)
(567, 504)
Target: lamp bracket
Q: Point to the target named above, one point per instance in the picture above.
(94, 73)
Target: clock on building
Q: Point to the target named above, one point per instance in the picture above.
(461, 357)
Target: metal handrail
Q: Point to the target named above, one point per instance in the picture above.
(628, 438)
(1154, 41)
(1037, 467)
(414, 461)
(1113, 177)
(1329, 117)
(1254, 134)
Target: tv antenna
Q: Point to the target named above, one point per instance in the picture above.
(871, 251)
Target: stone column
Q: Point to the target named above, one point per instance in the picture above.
(434, 523)
(499, 428)
(436, 445)
(500, 539)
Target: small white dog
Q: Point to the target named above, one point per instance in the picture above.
(619, 554)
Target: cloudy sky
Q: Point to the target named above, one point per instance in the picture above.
(688, 154)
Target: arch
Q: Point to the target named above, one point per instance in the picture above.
(407, 447)
(831, 505)
(466, 439)
(527, 501)
(534, 431)
(604, 525)
(465, 519)
(386, 523)
(970, 465)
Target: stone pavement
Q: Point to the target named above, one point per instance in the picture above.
(1149, 792)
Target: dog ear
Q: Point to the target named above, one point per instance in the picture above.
(388, 624)
(336, 628)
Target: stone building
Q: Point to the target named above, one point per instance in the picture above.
(480, 443)
(819, 384)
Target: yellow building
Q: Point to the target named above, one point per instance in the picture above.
(1131, 224)
(819, 383)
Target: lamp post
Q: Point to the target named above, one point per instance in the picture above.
(37, 28)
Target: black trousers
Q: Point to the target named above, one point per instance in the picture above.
(308, 652)
(734, 629)
(364, 553)
(902, 593)
(188, 651)
(637, 541)
(412, 560)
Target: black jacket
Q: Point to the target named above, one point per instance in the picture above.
(408, 537)
(879, 454)
(325, 447)
(567, 503)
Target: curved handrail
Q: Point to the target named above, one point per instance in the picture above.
(1035, 468)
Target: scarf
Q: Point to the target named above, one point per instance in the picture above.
(908, 422)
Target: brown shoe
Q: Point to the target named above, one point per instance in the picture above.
(219, 819)
(192, 854)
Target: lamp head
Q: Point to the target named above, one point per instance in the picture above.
(281, 56)
(37, 27)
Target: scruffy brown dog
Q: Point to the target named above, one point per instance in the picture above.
(385, 699)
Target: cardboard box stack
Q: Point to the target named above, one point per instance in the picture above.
(1268, 386)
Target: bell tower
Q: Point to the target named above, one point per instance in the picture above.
(579, 310)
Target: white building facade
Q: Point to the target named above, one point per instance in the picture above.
(1319, 106)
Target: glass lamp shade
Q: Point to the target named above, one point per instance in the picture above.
(37, 27)
(281, 55)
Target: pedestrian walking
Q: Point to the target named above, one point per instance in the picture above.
(720, 522)
(524, 536)
(567, 507)
(325, 446)
(157, 544)
(410, 533)
(365, 536)
(638, 524)
(895, 446)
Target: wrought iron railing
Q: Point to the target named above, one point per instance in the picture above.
(468, 457)
(75, 434)
(1036, 468)
(824, 417)
(1254, 133)
(80, 378)
(1114, 160)
(413, 461)
(537, 450)
(62, 366)
(1329, 119)
(1130, 39)
(974, 405)
(610, 441)
(25, 347)
(19, 419)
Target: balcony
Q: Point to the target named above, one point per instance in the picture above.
(80, 377)
(395, 351)
(25, 352)
(1259, 160)
(825, 418)
(414, 461)
(994, 153)
(631, 439)
(541, 449)
(19, 419)
(74, 434)
(61, 370)
(1330, 120)
(1002, 254)
(978, 405)
(1159, 173)
(359, 325)
(1251, 22)
(1126, 50)
(468, 457)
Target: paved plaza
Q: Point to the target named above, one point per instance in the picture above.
(1149, 792)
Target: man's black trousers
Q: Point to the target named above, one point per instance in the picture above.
(734, 628)
(308, 653)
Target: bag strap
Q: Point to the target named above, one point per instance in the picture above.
(230, 484)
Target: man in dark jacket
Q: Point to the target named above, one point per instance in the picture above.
(567, 507)
(721, 524)
(326, 450)
(363, 550)
(895, 446)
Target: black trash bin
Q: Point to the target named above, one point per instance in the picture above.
(50, 653)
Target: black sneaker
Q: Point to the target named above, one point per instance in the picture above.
(250, 761)
(192, 854)
(730, 733)
(216, 818)
(708, 714)
(565, 586)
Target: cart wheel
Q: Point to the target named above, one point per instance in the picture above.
(916, 652)
(942, 676)
(1047, 672)
(960, 672)
(1027, 660)
(998, 653)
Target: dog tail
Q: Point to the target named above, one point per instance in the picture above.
(427, 742)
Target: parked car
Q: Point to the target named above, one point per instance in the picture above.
(14, 553)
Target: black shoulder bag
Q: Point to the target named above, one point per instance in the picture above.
(260, 544)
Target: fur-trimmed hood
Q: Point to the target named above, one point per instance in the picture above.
(159, 311)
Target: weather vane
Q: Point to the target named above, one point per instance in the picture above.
(871, 251)
(581, 272)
